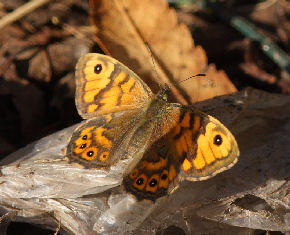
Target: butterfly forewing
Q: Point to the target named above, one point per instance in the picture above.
(104, 85)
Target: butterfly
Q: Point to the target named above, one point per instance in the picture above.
(167, 142)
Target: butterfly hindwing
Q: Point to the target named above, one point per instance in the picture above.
(154, 173)
(98, 141)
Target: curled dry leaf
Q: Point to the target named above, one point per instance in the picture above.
(124, 26)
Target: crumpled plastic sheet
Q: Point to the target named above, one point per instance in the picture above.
(254, 194)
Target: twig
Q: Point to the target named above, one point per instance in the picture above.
(275, 53)
(21, 11)
(58, 228)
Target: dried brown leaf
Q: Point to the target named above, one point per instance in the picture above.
(124, 26)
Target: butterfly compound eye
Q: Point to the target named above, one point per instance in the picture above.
(218, 140)
(98, 68)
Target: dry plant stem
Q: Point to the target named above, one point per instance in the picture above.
(21, 11)
(58, 228)
(102, 45)
(164, 78)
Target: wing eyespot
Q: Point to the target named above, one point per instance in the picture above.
(85, 137)
(140, 181)
(90, 153)
(134, 174)
(153, 183)
(104, 156)
(98, 68)
(83, 146)
(164, 176)
(218, 140)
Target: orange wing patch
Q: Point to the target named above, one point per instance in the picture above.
(206, 146)
(164, 181)
(152, 184)
(186, 165)
(101, 139)
(184, 136)
(140, 182)
(95, 76)
(90, 153)
(198, 161)
(104, 156)
(153, 166)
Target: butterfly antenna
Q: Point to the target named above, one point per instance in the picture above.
(196, 75)
(153, 62)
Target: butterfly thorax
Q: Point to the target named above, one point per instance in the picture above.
(158, 105)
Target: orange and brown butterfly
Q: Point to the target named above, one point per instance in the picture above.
(168, 142)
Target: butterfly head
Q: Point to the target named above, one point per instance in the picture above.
(163, 93)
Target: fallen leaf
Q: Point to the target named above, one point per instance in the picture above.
(124, 26)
